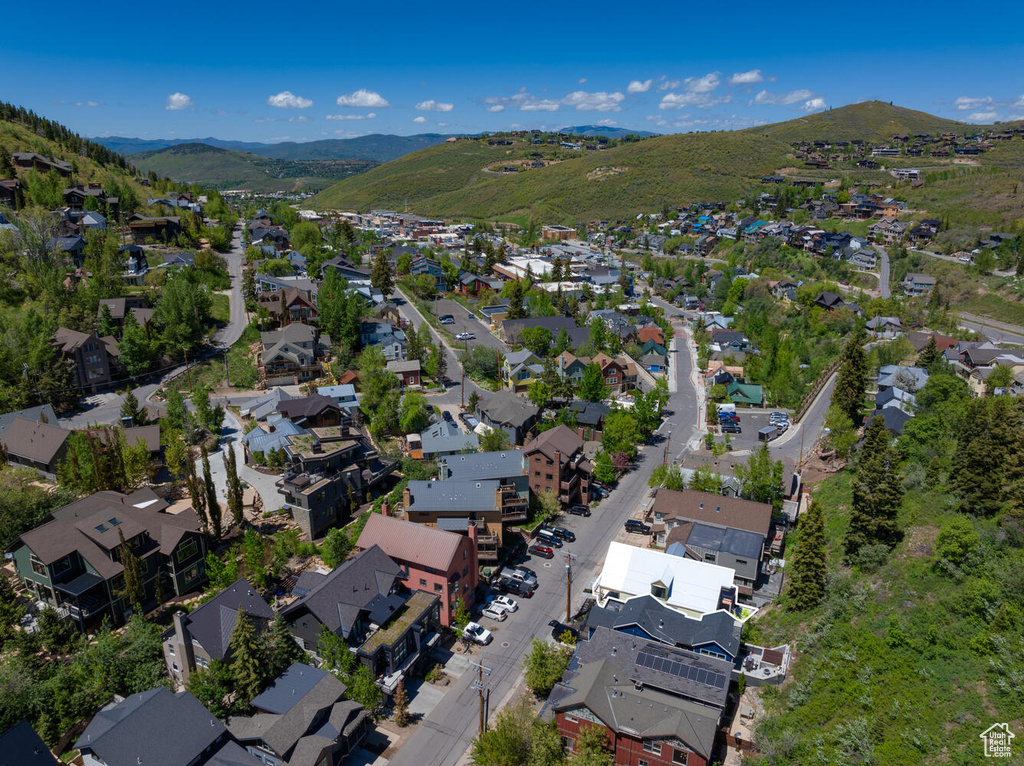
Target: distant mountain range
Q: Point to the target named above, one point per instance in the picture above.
(605, 130)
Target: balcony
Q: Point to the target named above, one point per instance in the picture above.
(487, 547)
(567, 486)
(514, 505)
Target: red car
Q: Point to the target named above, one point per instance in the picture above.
(542, 550)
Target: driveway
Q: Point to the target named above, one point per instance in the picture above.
(883, 273)
(466, 321)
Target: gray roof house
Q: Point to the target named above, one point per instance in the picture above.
(261, 407)
(917, 284)
(158, 726)
(204, 634)
(910, 379)
(302, 719)
(21, 746)
(509, 412)
(42, 414)
(441, 440)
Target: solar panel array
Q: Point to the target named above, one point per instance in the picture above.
(681, 670)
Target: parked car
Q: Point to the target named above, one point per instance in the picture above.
(635, 525)
(563, 533)
(728, 417)
(477, 634)
(446, 415)
(731, 428)
(778, 417)
(495, 612)
(469, 420)
(559, 629)
(543, 551)
(519, 588)
(446, 319)
(465, 336)
(521, 574)
(549, 538)
(578, 510)
(509, 604)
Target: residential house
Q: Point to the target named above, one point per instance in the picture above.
(915, 285)
(494, 314)
(556, 464)
(571, 366)
(289, 304)
(509, 330)
(884, 327)
(830, 302)
(511, 413)
(329, 471)
(747, 394)
(149, 229)
(691, 587)
(391, 340)
(716, 634)
(589, 418)
(21, 746)
(11, 194)
(159, 726)
(507, 466)
(293, 354)
(119, 308)
(263, 406)
(440, 440)
(920, 339)
(473, 283)
(432, 559)
(43, 413)
(34, 444)
(73, 561)
(910, 379)
(619, 373)
(364, 602)
(730, 340)
(408, 372)
(727, 531)
(864, 258)
(302, 719)
(260, 441)
(653, 703)
(93, 358)
(388, 312)
(72, 246)
(198, 637)
(519, 369)
(551, 232)
(650, 333)
(781, 289)
(93, 221)
(895, 419)
(31, 160)
(888, 231)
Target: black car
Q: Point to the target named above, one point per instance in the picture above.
(634, 525)
(447, 416)
(731, 428)
(578, 510)
(563, 533)
(522, 589)
(559, 629)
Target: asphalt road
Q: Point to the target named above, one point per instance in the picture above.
(466, 321)
(103, 408)
(1000, 332)
(445, 735)
(883, 273)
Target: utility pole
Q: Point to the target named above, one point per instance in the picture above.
(478, 684)
(668, 440)
(568, 584)
(227, 377)
(465, 347)
(187, 370)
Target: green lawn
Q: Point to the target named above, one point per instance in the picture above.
(242, 370)
(220, 308)
(995, 307)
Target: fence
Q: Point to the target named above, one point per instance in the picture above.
(811, 395)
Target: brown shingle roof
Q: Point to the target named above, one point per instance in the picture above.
(712, 509)
(39, 442)
(560, 438)
(406, 541)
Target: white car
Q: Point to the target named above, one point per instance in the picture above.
(477, 634)
(495, 612)
(465, 336)
(503, 601)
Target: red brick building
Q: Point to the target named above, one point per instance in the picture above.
(436, 561)
(555, 461)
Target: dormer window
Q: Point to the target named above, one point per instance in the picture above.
(658, 590)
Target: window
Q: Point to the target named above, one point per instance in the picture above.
(567, 744)
(191, 574)
(571, 718)
(741, 562)
(548, 476)
(642, 762)
(536, 473)
(437, 587)
(38, 567)
(680, 757)
(613, 380)
(170, 649)
(659, 591)
(187, 550)
(423, 583)
(650, 746)
(175, 666)
(202, 662)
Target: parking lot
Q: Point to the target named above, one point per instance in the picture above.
(464, 322)
(751, 423)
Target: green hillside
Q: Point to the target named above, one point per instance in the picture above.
(464, 178)
(869, 121)
(227, 169)
(376, 147)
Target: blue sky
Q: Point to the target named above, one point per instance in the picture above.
(274, 71)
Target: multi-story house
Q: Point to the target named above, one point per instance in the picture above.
(364, 602)
(519, 369)
(509, 412)
(556, 463)
(204, 634)
(73, 561)
(94, 359)
(433, 560)
(293, 354)
(289, 304)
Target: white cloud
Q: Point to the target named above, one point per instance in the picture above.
(442, 124)
(813, 105)
(665, 84)
(421, 118)
(87, 103)
(639, 86)
(300, 118)
(363, 99)
(1019, 103)
(496, 108)
(369, 116)
(764, 97)
(434, 106)
(700, 100)
(607, 123)
(288, 100)
(704, 84)
(594, 102)
(581, 80)
(178, 101)
(966, 103)
(265, 119)
(752, 77)
(984, 116)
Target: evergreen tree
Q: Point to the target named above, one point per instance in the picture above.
(807, 564)
(877, 492)
(130, 409)
(177, 415)
(514, 293)
(929, 354)
(212, 504)
(474, 401)
(401, 704)
(196, 491)
(137, 351)
(234, 486)
(851, 381)
(439, 363)
(133, 591)
(107, 324)
(380, 274)
(762, 478)
(247, 660)
(281, 648)
(7, 169)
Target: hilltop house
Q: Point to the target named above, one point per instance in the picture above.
(94, 359)
(915, 285)
(35, 444)
(293, 355)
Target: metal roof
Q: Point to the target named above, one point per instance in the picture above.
(427, 496)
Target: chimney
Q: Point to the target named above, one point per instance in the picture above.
(385, 508)
(473, 532)
(406, 498)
